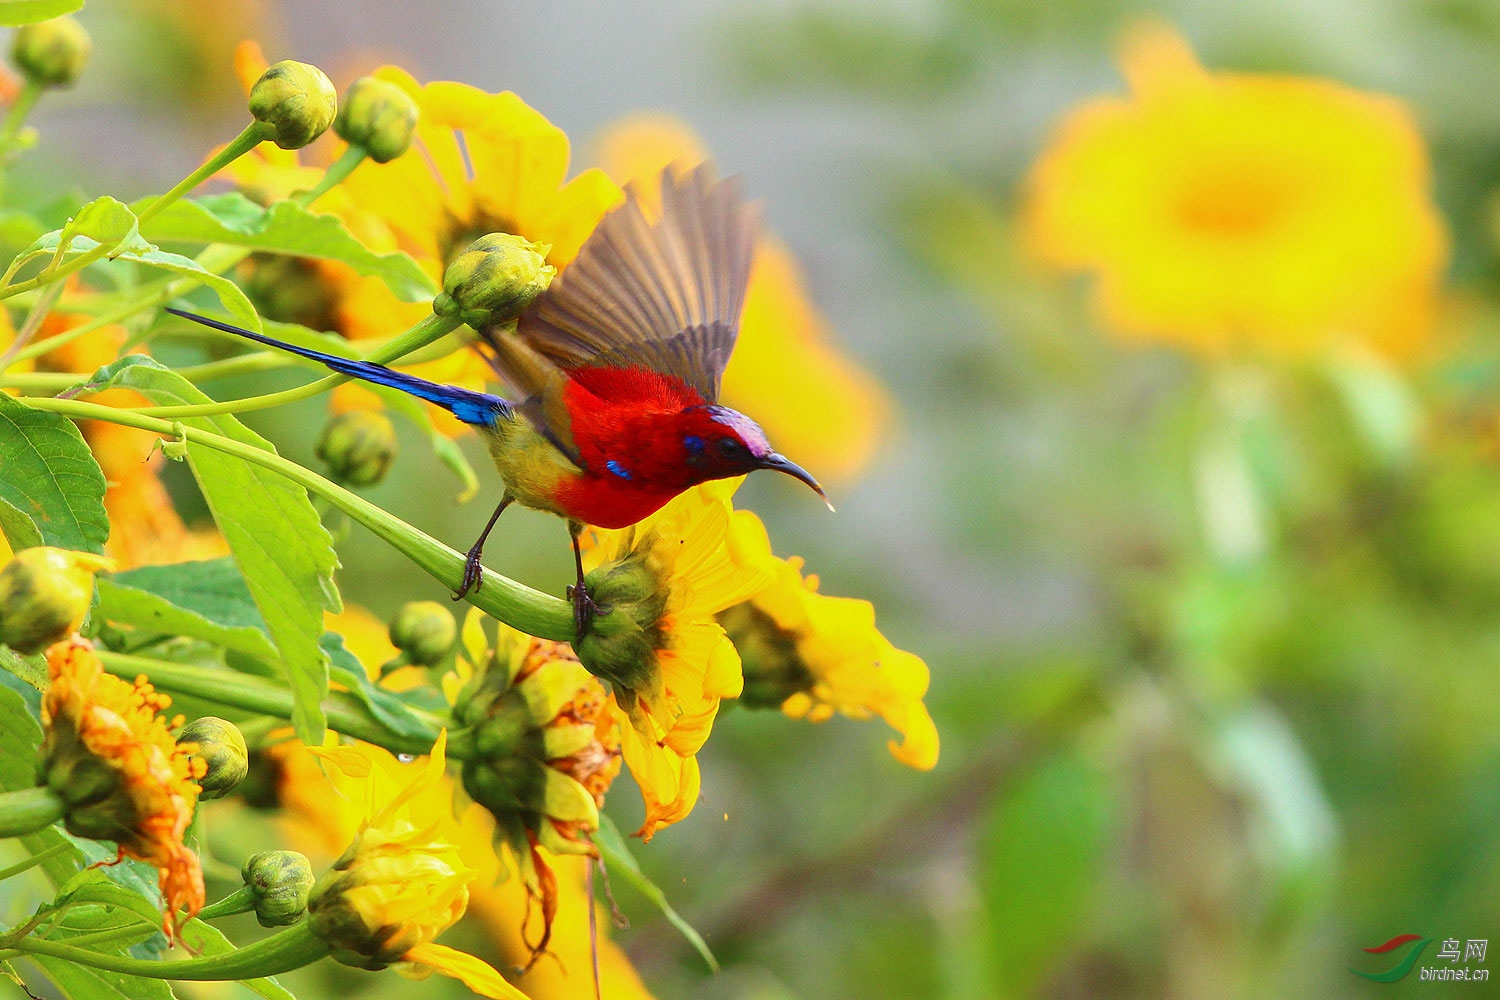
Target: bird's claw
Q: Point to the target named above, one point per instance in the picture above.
(473, 576)
(584, 608)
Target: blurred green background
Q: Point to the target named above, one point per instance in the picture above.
(1164, 773)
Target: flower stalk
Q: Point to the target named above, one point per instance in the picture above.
(281, 952)
(29, 810)
(253, 135)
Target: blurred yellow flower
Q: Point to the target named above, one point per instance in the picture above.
(1242, 213)
(110, 755)
(787, 369)
(402, 881)
(671, 574)
(815, 655)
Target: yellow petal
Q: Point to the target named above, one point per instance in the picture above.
(474, 973)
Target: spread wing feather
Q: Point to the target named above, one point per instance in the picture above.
(665, 294)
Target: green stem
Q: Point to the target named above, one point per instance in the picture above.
(133, 933)
(500, 597)
(20, 110)
(266, 697)
(50, 274)
(430, 328)
(281, 952)
(243, 364)
(29, 810)
(335, 174)
(241, 900)
(34, 860)
(254, 134)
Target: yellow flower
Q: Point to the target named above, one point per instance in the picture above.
(670, 574)
(815, 655)
(787, 369)
(112, 758)
(1242, 213)
(402, 881)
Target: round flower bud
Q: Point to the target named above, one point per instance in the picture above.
(52, 53)
(378, 116)
(425, 631)
(359, 447)
(297, 100)
(44, 595)
(495, 278)
(280, 882)
(222, 750)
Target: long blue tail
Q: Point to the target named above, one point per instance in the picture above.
(471, 407)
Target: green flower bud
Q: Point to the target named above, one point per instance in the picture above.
(51, 53)
(425, 631)
(44, 594)
(297, 100)
(280, 882)
(222, 749)
(495, 278)
(632, 589)
(379, 116)
(359, 447)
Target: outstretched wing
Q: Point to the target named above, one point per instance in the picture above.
(663, 294)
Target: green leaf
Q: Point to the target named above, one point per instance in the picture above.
(274, 533)
(14, 13)
(82, 982)
(107, 222)
(1042, 852)
(49, 477)
(31, 669)
(286, 228)
(202, 600)
(392, 713)
(621, 862)
(18, 529)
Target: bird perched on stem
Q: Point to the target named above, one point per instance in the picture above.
(615, 371)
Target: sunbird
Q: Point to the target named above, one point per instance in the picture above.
(614, 371)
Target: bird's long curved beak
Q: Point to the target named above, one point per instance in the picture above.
(783, 464)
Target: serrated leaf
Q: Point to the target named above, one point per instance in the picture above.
(274, 533)
(286, 228)
(18, 529)
(14, 13)
(48, 475)
(206, 600)
(621, 862)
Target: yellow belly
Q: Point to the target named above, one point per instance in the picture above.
(533, 469)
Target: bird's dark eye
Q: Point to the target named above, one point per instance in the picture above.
(730, 448)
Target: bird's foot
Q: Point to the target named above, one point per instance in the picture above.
(584, 608)
(473, 575)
